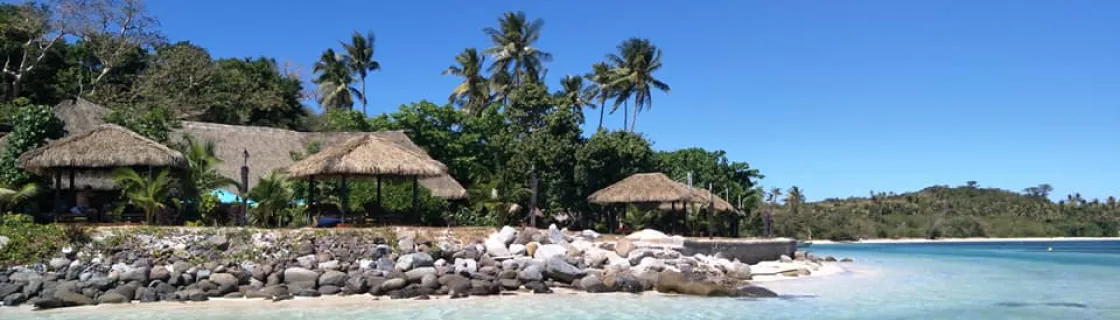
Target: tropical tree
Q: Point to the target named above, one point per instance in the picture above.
(473, 94)
(359, 59)
(574, 95)
(794, 198)
(201, 175)
(11, 197)
(513, 48)
(637, 60)
(148, 194)
(600, 88)
(334, 81)
(273, 195)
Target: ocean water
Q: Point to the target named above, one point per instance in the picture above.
(1003, 280)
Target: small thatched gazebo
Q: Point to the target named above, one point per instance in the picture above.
(101, 149)
(701, 198)
(366, 155)
(643, 188)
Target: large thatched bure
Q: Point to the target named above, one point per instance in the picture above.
(700, 199)
(367, 155)
(642, 188)
(106, 146)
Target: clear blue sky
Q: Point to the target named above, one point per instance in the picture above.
(837, 97)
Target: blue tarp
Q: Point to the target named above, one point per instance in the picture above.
(224, 196)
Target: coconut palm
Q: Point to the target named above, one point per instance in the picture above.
(148, 194)
(201, 175)
(772, 197)
(513, 47)
(11, 197)
(794, 196)
(473, 93)
(573, 94)
(273, 195)
(600, 88)
(637, 60)
(360, 61)
(334, 81)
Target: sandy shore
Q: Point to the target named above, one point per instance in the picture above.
(947, 240)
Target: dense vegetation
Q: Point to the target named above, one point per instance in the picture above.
(504, 133)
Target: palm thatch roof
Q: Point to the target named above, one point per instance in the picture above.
(699, 199)
(367, 155)
(106, 146)
(271, 149)
(642, 188)
(80, 115)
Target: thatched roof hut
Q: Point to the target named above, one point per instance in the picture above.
(80, 115)
(367, 155)
(642, 188)
(700, 199)
(106, 146)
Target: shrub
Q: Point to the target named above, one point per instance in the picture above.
(30, 243)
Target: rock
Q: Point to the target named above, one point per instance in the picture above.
(430, 281)
(484, 288)
(538, 287)
(406, 242)
(332, 278)
(517, 250)
(506, 235)
(528, 235)
(626, 283)
(593, 284)
(375, 285)
(555, 236)
(57, 264)
(414, 260)
(261, 272)
(549, 251)
(275, 291)
(32, 288)
(507, 274)
(623, 246)
(74, 299)
(800, 255)
(509, 284)
(113, 298)
(307, 261)
(393, 284)
(753, 292)
(234, 295)
(497, 248)
(225, 282)
(159, 273)
(329, 290)
(219, 242)
(558, 269)
(10, 288)
(676, 282)
(590, 234)
(329, 265)
(307, 293)
(415, 275)
(785, 259)
(357, 285)
(147, 295)
(739, 270)
(830, 259)
(14, 299)
(465, 266)
(202, 274)
(531, 273)
(847, 260)
(596, 258)
(458, 286)
(4, 241)
(300, 278)
(636, 256)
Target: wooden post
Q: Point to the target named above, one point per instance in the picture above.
(345, 198)
(311, 207)
(379, 193)
(57, 194)
(416, 196)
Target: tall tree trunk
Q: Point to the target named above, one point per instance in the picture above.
(364, 100)
(602, 111)
(625, 115)
(634, 120)
(17, 87)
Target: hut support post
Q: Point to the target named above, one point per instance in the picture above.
(311, 198)
(57, 193)
(379, 193)
(345, 197)
(415, 196)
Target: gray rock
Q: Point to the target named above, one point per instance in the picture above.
(429, 281)
(137, 274)
(113, 297)
(225, 282)
(219, 242)
(531, 273)
(357, 285)
(180, 266)
(332, 278)
(393, 284)
(14, 299)
(465, 266)
(307, 261)
(58, 264)
(4, 241)
(558, 269)
(10, 288)
(593, 284)
(414, 260)
(415, 275)
(637, 255)
(32, 288)
(74, 299)
(159, 273)
(555, 236)
(300, 278)
(537, 287)
(785, 258)
(517, 250)
(739, 270)
(753, 292)
(497, 248)
(202, 273)
(329, 265)
(406, 244)
(549, 251)
(506, 235)
(329, 290)
(509, 284)
(261, 272)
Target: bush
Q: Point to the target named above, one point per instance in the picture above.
(32, 126)
(31, 243)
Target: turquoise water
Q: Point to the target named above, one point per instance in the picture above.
(1077, 280)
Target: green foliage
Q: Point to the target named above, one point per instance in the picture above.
(154, 123)
(273, 195)
(201, 176)
(344, 120)
(150, 194)
(31, 243)
(15, 219)
(32, 126)
(11, 198)
(257, 92)
(609, 157)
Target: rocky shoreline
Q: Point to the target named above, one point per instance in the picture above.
(122, 265)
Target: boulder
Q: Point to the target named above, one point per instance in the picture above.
(558, 269)
(496, 248)
(307, 261)
(57, 264)
(113, 298)
(32, 288)
(531, 248)
(623, 247)
(299, 278)
(415, 275)
(74, 299)
(14, 299)
(528, 235)
(739, 270)
(531, 273)
(275, 291)
(414, 260)
(555, 236)
(10, 288)
(537, 287)
(406, 242)
(457, 286)
(465, 266)
(593, 284)
(219, 242)
(357, 285)
(517, 250)
(225, 282)
(753, 292)
(393, 284)
(509, 284)
(676, 282)
(332, 278)
(506, 235)
(329, 290)
(430, 281)
(484, 288)
(549, 251)
(159, 273)
(329, 265)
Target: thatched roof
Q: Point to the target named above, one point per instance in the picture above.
(700, 199)
(642, 188)
(271, 148)
(106, 146)
(80, 115)
(367, 155)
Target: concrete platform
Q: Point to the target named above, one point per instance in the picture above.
(748, 251)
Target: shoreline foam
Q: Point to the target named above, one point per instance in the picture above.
(957, 240)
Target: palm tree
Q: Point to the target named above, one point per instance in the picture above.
(202, 174)
(13, 196)
(600, 88)
(513, 47)
(575, 96)
(473, 93)
(360, 61)
(273, 195)
(794, 198)
(334, 81)
(148, 194)
(637, 60)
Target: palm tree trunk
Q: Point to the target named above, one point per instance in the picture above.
(364, 100)
(602, 111)
(634, 120)
(625, 115)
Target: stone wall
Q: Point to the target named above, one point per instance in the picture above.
(747, 251)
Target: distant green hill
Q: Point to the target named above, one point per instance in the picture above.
(950, 212)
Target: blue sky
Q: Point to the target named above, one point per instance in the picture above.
(837, 97)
